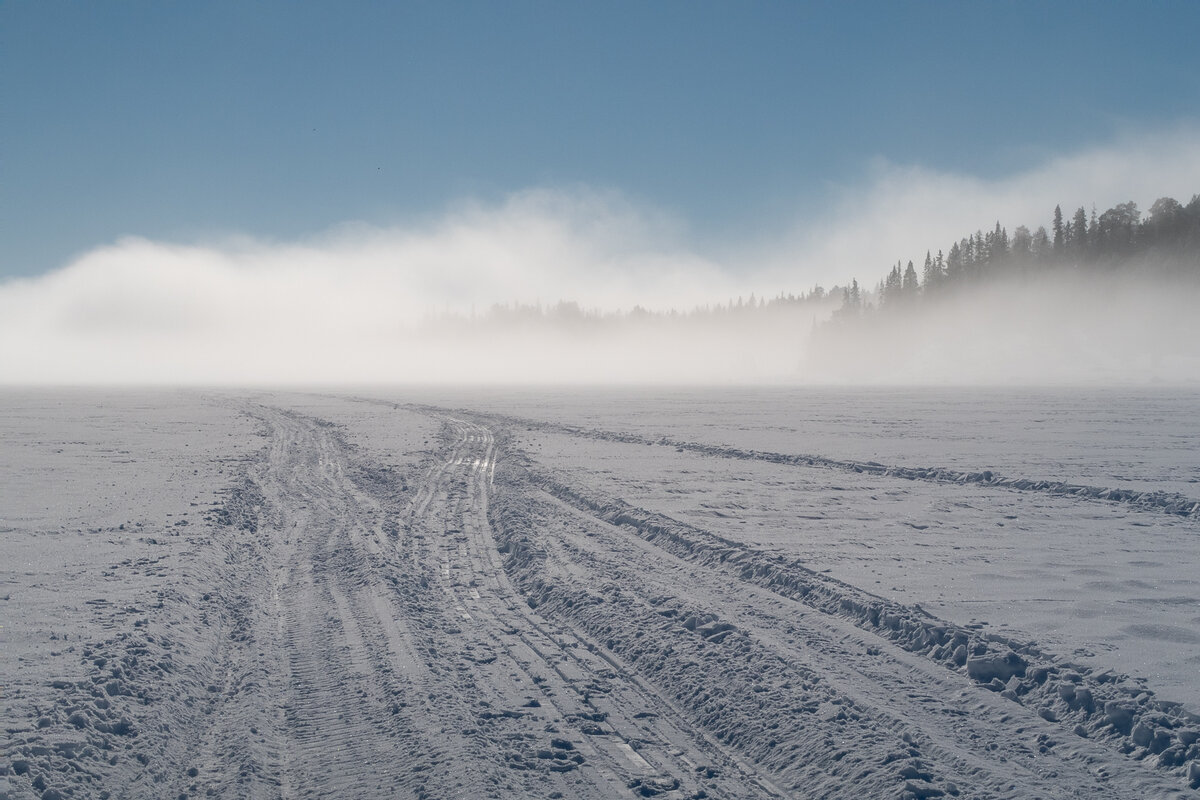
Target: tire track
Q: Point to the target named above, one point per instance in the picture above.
(584, 690)
(407, 664)
(667, 717)
(1162, 502)
(870, 656)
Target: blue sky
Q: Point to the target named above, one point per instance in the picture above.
(190, 122)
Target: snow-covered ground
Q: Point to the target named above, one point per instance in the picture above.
(520, 593)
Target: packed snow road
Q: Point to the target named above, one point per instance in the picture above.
(469, 623)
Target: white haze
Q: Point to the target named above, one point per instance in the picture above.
(1062, 329)
(906, 210)
(353, 305)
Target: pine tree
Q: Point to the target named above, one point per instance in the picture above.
(1079, 233)
(954, 263)
(1022, 244)
(1041, 247)
(931, 274)
(909, 285)
(890, 290)
(1059, 233)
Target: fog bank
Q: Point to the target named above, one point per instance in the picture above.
(1054, 330)
(414, 303)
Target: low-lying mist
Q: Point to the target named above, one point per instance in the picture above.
(586, 287)
(1056, 329)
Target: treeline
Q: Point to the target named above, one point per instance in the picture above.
(1095, 246)
(1165, 243)
(569, 315)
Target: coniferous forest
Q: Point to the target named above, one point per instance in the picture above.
(1093, 296)
(1090, 246)
(1164, 244)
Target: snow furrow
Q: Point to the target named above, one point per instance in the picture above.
(1106, 708)
(435, 613)
(1164, 502)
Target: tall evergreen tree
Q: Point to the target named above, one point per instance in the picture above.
(1079, 233)
(890, 291)
(979, 253)
(1022, 244)
(997, 245)
(909, 284)
(931, 274)
(1042, 247)
(954, 263)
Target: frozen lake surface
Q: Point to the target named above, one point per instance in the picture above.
(598, 593)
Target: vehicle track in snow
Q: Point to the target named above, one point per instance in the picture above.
(850, 679)
(1162, 502)
(476, 627)
(409, 665)
(1035, 725)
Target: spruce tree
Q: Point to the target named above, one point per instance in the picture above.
(932, 272)
(954, 263)
(1041, 246)
(1079, 233)
(909, 285)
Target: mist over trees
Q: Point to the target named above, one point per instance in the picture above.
(1087, 246)
(1091, 246)
(569, 317)
(1089, 296)
(1095, 297)
(1165, 244)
